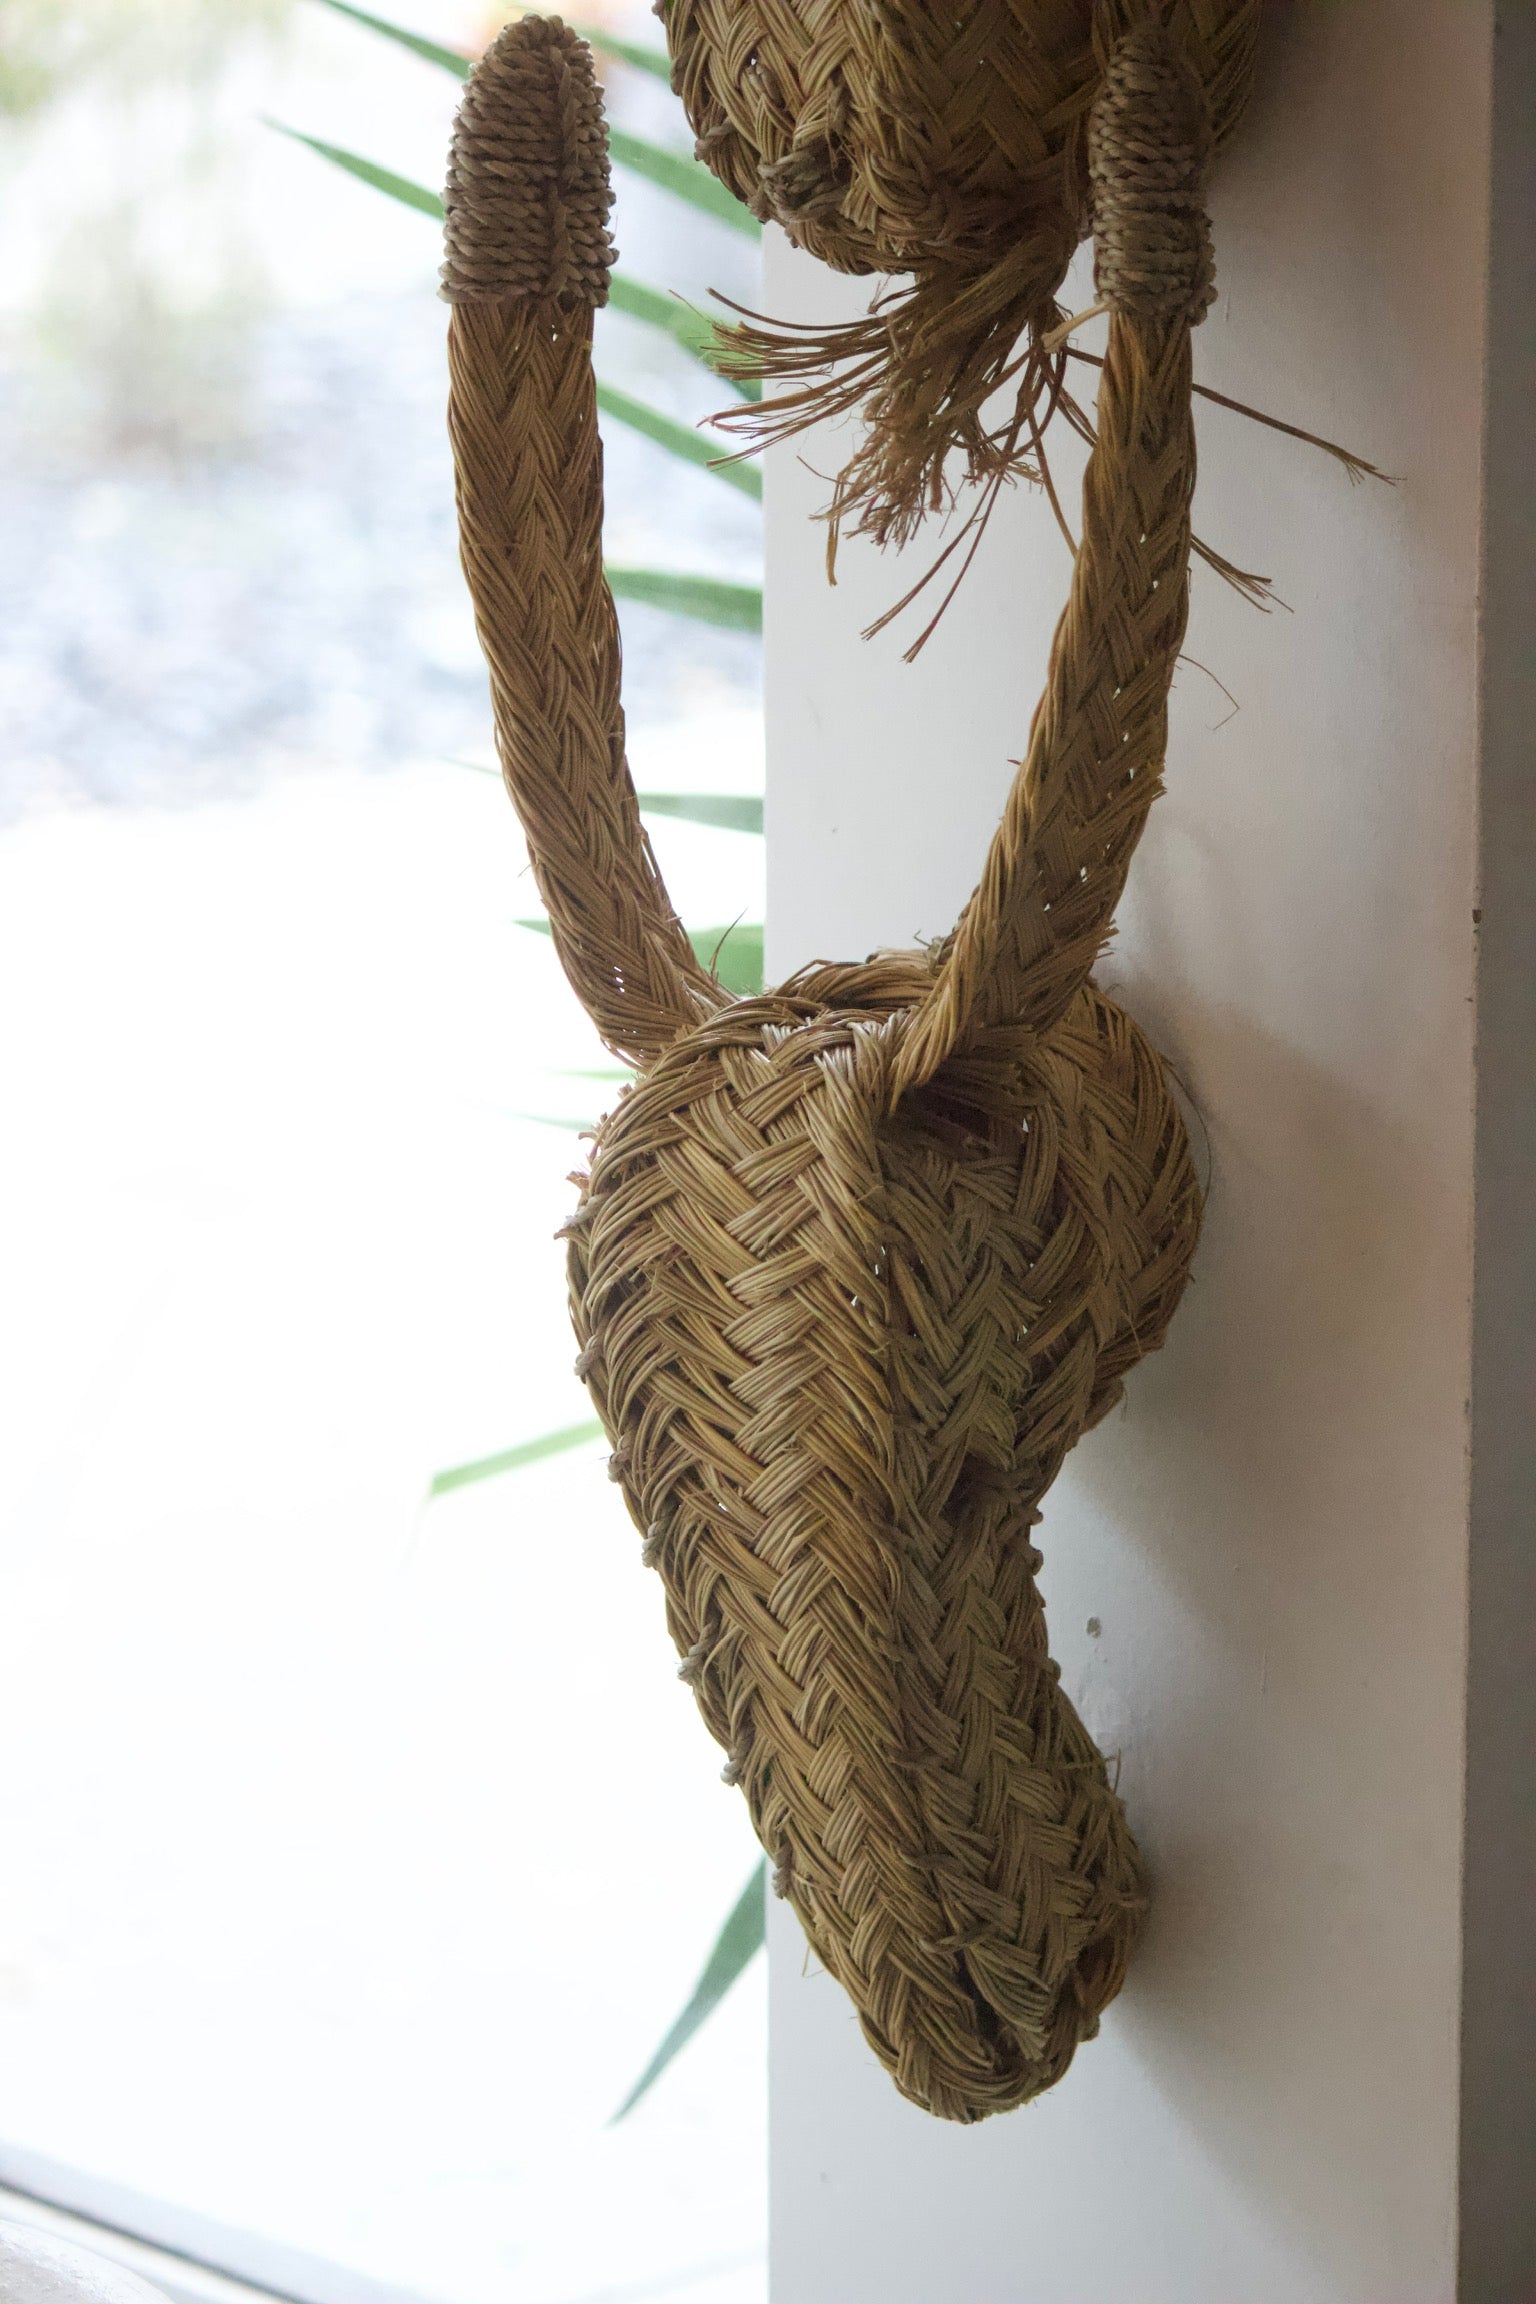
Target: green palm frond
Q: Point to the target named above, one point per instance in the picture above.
(366, 171)
(724, 811)
(431, 51)
(515, 1459)
(735, 1948)
(707, 599)
(655, 61)
(684, 322)
(680, 173)
(679, 439)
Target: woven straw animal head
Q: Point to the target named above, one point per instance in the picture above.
(949, 144)
(858, 1261)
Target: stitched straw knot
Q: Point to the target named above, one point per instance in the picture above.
(1148, 146)
(528, 194)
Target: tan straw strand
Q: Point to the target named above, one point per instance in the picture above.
(859, 1261)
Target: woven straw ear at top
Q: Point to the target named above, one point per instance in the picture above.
(527, 260)
(860, 1260)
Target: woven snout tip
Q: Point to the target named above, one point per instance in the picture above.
(1149, 144)
(528, 194)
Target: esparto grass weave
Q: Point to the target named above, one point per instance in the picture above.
(859, 1261)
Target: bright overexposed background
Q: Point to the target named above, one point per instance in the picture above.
(355, 1852)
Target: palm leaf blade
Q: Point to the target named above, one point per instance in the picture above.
(684, 323)
(724, 811)
(678, 439)
(736, 1946)
(367, 171)
(656, 61)
(514, 1459)
(707, 599)
(431, 51)
(688, 179)
(652, 60)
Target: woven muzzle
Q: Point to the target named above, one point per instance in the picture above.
(859, 1261)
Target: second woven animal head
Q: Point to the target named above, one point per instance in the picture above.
(948, 148)
(858, 1261)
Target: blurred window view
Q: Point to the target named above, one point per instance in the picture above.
(360, 1852)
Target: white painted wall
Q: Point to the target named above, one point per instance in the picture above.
(1274, 1533)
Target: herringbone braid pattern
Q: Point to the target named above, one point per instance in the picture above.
(947, 144)
(858, 1262)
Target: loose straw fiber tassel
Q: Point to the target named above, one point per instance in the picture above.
(857, 1262)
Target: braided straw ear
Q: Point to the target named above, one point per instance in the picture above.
(859, 1261)
(528, 255)
(1030, 936)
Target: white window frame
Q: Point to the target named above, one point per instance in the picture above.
(193, 2259)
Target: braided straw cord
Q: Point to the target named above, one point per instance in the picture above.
(859, 1261)
(527, 260)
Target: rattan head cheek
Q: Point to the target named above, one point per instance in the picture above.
(949, 145)
(859, 1261)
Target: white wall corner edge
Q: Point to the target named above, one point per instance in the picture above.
(1498, 2124)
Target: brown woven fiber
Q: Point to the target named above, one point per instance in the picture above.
(859, 1261)
(945, 143)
